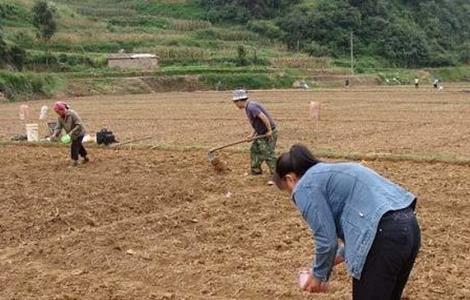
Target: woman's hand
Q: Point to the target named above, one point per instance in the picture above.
(314, 285)
(338, 259)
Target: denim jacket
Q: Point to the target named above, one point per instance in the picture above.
(345, 201)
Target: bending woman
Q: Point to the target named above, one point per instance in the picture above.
(69, 120)
(372, 217)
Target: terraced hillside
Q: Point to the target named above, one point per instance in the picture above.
(190, 48)
(194, 53)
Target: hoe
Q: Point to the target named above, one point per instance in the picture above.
(218, 165)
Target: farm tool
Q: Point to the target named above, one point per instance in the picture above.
(218, 165)
(116, 146)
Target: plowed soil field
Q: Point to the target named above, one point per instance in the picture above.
(137, 223)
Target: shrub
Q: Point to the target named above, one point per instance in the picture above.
(226, 35)
(249, 81)
(17, 57)
(442, 59)
(265, 28)
(315, 49)
(464, 53)
(241, 58)
(64, 60)
(189, 10)
(24, 39)
(10, 11)
(187, 25)
(16, 85)
(139, 21)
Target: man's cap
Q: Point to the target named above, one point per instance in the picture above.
(239, 95)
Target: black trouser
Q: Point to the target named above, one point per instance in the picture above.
(77, 148)
(391, 257)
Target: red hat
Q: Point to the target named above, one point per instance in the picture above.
(59, 105)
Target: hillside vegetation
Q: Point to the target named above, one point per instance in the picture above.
(398, 33)
(220, 44)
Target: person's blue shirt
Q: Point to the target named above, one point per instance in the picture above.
(345, 201)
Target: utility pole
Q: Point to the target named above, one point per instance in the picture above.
(352, 53)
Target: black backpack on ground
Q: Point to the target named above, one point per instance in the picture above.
(104, 136)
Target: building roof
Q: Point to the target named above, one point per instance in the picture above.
(131, 56)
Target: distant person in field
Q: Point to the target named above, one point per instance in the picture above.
(357, 217)
(71, 123)
(416, 82)
(263, 124)
(436, 83)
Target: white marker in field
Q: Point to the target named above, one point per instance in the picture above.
(43, 113)
(315, 110)
(24, 112)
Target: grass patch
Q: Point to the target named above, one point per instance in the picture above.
(139, 21)
(452, 73)
(397, 76)
(185, 10)
(249, 81)
(15, 85)
(167, 71)
(14, 12)
(98, 47)
(226, 35)
(39, 60)
(196, 70)
(102, 12)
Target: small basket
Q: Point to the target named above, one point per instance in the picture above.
(51, 126)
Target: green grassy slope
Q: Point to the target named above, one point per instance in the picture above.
(175, 30)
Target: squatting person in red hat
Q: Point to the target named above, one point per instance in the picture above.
(73, 126)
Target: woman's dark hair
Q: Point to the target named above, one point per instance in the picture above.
(298, 160)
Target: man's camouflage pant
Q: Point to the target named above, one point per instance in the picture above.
(263, 150)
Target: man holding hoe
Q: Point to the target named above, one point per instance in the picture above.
(262, 149)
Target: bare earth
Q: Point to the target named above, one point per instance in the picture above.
(162, 224)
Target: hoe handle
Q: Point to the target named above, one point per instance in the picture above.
(238, 142)
(132, 141)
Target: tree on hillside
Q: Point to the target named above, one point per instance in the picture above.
(464, 53)
(296, 29)
(241, 60)
(17, 57)
(405, 45)
(407, 33)
(3, 45)
(329, 25)
(3, 49)
(241, 11)
(11, 54)
(44, 20)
